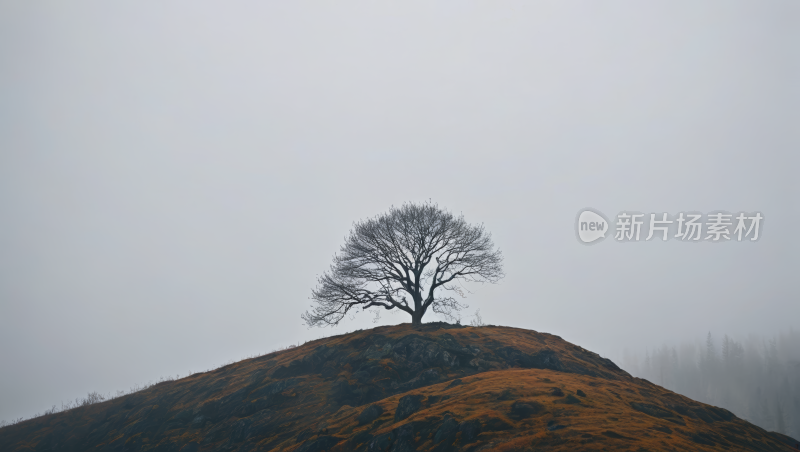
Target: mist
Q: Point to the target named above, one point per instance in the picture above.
(757, 377)
(174, 177)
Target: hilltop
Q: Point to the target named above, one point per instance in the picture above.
(437, 387)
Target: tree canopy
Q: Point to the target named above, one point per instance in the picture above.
(412, 258)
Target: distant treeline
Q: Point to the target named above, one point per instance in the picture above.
(756, 378)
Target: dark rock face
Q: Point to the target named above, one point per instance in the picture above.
(469, 431)
(370, 414)
(416, 360)
(580, 393)
(342, 391)
(240, 430)
(419, 360)
(545, 359)
(360, 441)
(382, 442)
(319, 444)
(569, 399)
(405, 439)
(522, 410)
(408, 405)
(705, 439)
(427, 377)
(447, 431)
(190, 447)
(304, 435)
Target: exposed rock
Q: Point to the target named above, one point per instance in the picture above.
(404, 441)
(370, 414)
(431, 400)
(359, 440)
(319, 444)
(190, 447)
(304, 435)
(426, 378)
(469, 430)
(569, 399)
(407, 406)
(240, 430)
(522, 410)
(447, 431)
(705, 439)
(381, 443)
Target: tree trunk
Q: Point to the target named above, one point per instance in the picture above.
(416, 319)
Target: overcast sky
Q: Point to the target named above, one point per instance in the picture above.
(175, 175)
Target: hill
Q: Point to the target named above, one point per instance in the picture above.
(437, 387)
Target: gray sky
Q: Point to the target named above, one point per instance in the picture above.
(174, 175)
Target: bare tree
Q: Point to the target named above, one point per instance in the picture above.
(412, 259)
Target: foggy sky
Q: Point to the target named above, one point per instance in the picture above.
(175, 175)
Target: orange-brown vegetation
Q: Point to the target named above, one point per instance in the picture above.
(437, 388)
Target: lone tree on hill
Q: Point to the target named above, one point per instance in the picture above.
(410, 259)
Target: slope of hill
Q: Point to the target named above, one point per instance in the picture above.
(436, 388)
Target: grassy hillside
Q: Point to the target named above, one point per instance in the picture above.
(435, 388)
